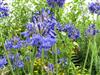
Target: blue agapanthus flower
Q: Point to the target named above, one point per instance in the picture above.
(73, 33)
(94, 8)
(16, 61)
(4, 9)
(19, 64)
(91, 30)
(3, 61)
(54, 3)
(41, 31)
(51, 67)
(13, 43)
(11, 57)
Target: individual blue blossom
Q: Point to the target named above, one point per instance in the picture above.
(59, 27)
(39, 53)
(73, 33)
(94, 8)
(62, 61)
(29, 26)
(51, 67)
(11, 57)
(4, 9)
(3, 61)
(8, 45)
(19, 64)
(91, 30)
(14, 43)
(54, 3)
(25, 34)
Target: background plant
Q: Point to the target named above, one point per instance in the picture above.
(68, 55)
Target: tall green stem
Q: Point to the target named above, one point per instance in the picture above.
(42, 62)
(91, 63)
(56, 59)
(87, 53)
(9, 62)
(32, 55)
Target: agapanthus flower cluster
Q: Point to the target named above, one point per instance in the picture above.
(91, 30)
(13, 43)
(41, 31)
(54, 3)
(94, 8)
(16, 61)
(73, 33)
(4, 9)
(3, 61)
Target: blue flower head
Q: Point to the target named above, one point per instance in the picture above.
(16, 61)
(4, 10)
(91, 30)
(14, 43)
(39, 52)
(53, 3)
(94, 8)
(42, 23)
(19, 64)
(51, 67)
(73, 33)
(41, 31)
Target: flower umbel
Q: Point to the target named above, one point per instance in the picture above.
(73, 33)
(3, 9)
(91, 31)
(14, 43)
(40, 32)
(94, 8)
(53, 3)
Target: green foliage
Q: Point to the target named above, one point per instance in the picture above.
(21, 13)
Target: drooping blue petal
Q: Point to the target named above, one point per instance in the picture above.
(3, 61)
